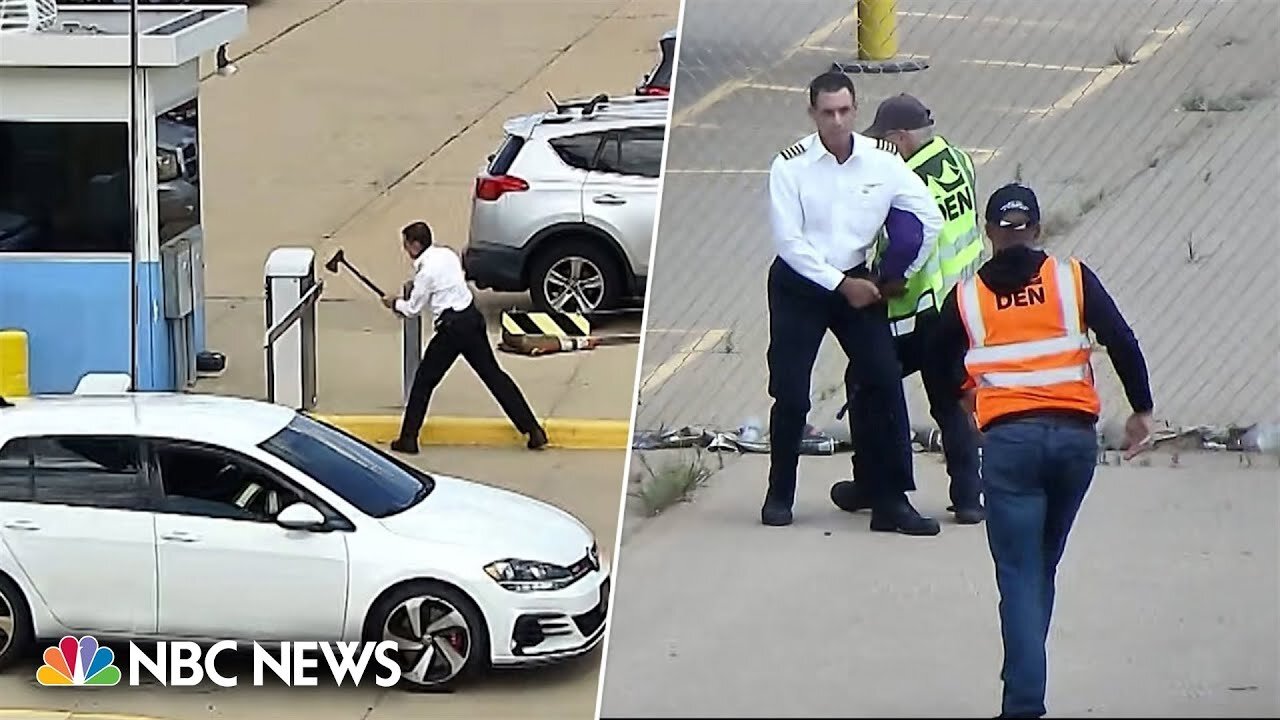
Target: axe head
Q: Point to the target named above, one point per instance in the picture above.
(332, 264)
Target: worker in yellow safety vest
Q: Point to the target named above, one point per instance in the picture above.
(903, 125)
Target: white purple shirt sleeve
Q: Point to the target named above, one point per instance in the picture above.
(912, 225)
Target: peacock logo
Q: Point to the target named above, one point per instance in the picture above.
(79, 662)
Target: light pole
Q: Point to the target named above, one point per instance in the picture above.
(134, 184)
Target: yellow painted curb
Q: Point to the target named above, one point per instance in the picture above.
(563, 433)
(38, 714)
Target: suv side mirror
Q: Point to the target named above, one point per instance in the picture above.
(301, 516)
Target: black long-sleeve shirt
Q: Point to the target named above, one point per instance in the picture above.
(1009, 271)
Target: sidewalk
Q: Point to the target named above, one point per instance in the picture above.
(1167, 603)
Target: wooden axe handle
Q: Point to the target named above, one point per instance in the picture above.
(619, 339)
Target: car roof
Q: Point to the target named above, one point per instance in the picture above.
(222, 420)
(612, 112)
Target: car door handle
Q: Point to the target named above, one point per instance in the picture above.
(180, 536)
(27, 525)
(608, 199)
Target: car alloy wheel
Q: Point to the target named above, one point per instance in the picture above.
(8, 624)
(574, 284)
(434, 640)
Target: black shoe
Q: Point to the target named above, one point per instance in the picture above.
(970, 516)
(901, 517)
(775, 515)
(847, 497)
(408, 447)
(537, 439)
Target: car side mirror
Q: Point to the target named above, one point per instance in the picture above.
(301, 516)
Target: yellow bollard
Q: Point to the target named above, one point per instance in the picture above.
(877, 29)
(14, 359)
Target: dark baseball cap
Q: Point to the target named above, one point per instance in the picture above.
(1013, 206)
(900, 112)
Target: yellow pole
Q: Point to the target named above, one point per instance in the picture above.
(877, 29)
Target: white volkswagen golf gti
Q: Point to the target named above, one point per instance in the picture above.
(171, 516)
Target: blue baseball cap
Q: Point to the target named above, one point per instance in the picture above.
(1013, 206)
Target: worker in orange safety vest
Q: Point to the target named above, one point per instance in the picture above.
(1017, 336)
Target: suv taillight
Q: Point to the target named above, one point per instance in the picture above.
(492, 188)
(654, 90)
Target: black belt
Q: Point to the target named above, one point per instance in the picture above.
(450, 316)
(858, 271)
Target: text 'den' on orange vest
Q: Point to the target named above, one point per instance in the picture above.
(1029, 350)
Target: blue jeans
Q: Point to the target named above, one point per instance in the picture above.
(1035, 474)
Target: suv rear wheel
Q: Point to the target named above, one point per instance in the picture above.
(575, 275)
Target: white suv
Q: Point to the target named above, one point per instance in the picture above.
(565, 207)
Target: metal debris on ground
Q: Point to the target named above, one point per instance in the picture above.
(750, 438)
(1257, 438)
(813, 443)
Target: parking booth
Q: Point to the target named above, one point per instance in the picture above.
(80, 290)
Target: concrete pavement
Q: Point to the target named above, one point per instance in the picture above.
(1168, 594)
(1167, 603)
(1130, 180)
(584, 483)
(349, 119)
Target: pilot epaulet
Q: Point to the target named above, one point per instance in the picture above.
(793, 152)
(886, 146)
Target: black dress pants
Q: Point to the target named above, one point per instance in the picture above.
(800, 314)
(959, 438)
(463, 333)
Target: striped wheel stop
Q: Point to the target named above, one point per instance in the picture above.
(555, 324)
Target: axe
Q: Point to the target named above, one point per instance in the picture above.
(340, 258)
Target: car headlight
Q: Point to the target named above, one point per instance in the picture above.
(167, 168)
(528, 575)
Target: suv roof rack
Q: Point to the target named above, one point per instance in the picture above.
(600, 103)
(587, 106)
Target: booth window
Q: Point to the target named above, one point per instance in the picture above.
(64, 187)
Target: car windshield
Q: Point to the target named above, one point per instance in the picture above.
(374, 482)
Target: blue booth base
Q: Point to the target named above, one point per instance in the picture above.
(75, 310)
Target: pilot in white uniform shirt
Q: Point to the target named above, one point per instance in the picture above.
(826, 215)
(438, 283)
